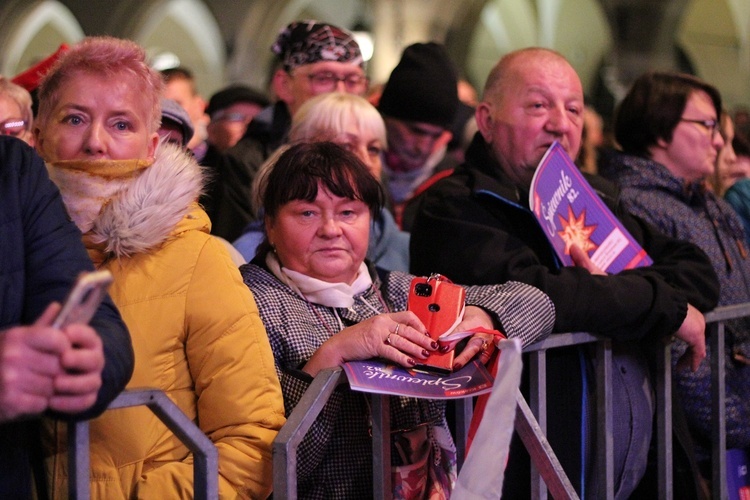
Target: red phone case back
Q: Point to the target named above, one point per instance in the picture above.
(440, 312)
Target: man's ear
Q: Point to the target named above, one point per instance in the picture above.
(483, 116)
(281, 85)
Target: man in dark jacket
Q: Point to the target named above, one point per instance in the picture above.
(476, 227)
(71, 373)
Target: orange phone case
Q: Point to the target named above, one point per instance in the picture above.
(439, 304)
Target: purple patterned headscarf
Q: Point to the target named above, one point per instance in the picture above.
(307, 42)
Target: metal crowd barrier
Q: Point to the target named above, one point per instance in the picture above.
(206, 458)
(530, 424)
(715, 321)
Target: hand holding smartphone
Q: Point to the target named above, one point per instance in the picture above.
(83, 299)
(439, 304)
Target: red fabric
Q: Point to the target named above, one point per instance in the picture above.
(476, 418)
(432, 180)
(30, 78)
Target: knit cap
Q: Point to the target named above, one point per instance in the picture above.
(422, 87)
(172, 112)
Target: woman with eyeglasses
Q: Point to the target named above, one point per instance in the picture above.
(668, 128)
(15, 111)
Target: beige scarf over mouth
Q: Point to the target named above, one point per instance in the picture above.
(88, 185)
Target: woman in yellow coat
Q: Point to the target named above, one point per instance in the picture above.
(195, 327)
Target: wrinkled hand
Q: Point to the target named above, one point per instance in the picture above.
(474, 317)
(29, 365)
(693, 332)
(367, 340)
(582, 259)
(77, 386)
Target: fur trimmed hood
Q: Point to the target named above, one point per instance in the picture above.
(145, 214)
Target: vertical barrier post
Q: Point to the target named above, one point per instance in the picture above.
(538, 406)
(664, 420)
(78, 461)
(464, 412)
(381, 447)
(718, 411)
(605, 448)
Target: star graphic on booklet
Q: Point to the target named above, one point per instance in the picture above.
(576, 232)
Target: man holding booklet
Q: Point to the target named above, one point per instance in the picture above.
(476, 227)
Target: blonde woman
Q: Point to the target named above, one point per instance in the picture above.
(195, 327)
(352, 122)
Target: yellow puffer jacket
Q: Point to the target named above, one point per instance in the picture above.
(198, 337)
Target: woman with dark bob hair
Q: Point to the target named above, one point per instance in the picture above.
(323, 305)
(669, 128)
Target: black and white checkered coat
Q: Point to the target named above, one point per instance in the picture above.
(335, 458)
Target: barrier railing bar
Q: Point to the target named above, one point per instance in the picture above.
(715, 320)
(538, 398)
(715, 332)
(464, 412)
(205, 455)
(293, 431)
(381, 446)
(78, 460)
(664, 421)
(724, 313)
(562, 340)
(604, 438)
(538, 405)
(312, 402)
(718, 412)
(541, 452)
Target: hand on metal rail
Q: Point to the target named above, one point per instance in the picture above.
(693, 332)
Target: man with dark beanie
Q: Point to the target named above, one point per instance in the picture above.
(419, 105)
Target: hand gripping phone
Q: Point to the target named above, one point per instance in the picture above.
(83, 299)
(439, 304)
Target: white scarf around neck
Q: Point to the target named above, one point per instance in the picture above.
(318, 291)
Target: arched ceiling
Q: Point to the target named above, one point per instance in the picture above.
(608, 41)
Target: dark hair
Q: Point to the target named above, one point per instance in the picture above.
(653, 107)
(301, 167)
(741, 146)
(177, 73)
